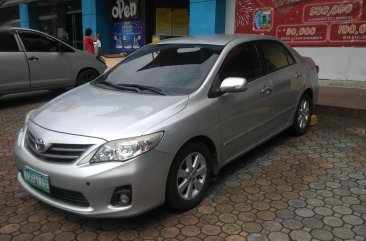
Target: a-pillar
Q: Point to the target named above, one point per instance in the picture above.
(96, 16)
(28, 14)
(207, 17)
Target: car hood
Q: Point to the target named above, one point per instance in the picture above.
(107, 114)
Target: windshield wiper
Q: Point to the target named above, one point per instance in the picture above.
(144, 87)
(119, 87)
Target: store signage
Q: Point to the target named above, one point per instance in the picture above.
(127, 36)
(125, 9)
(305, 22)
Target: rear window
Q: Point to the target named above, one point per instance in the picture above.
(8, 42)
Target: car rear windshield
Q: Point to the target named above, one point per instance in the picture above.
(175, 69)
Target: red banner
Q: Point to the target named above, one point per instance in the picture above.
(305, 22)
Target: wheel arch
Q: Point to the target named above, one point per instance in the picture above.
(81, 70)
(212, 148)
(310, 93)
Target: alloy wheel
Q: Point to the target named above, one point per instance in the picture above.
(303, 114)
(191, 176)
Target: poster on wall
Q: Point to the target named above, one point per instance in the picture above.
(127, 36)
(305, 22)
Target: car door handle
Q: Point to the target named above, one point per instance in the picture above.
(266, 90)
(33, 58)
(298, 75)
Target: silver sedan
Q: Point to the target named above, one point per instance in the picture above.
(158, 126)
(32, 60)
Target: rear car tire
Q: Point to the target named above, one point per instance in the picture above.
(302, 116)
(86, 76)
(189, 176)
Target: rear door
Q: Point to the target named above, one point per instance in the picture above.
(13, 64)
(48, 65)
(244, 115)
(287, 79)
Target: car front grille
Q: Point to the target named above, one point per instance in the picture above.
(68, 196)
(61, 153)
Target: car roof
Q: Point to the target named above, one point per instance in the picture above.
(35, 31)
(217, 39)
(20, 29)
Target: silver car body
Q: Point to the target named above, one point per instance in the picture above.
(229, 125)
(24, 70)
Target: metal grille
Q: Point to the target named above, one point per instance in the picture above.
(68, 196)
(62, 153)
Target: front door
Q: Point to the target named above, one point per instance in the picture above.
(48, 66)
(244, 115)
(74, 29)
(13, 64)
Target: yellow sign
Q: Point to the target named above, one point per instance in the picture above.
(155, 38)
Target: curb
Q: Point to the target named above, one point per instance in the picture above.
(350, 112)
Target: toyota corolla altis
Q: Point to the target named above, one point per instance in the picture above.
(155, 128)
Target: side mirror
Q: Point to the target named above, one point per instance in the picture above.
(233, 84)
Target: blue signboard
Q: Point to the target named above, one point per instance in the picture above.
(127, 36)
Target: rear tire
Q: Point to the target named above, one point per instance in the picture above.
(302, 116)
(86, 76)
(189, 176)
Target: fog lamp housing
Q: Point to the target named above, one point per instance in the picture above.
(122, 196)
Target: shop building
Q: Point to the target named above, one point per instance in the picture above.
(332, 32)
(125, 25)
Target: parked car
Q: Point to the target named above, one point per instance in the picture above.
(32, 60)
(160, 124)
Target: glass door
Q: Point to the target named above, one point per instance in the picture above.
(74, 28)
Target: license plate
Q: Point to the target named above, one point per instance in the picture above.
(37, 179)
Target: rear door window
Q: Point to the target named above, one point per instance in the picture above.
(8, 42)
(275, 55)
(34, 42)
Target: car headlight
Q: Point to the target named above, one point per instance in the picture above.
(125, 149)
(27, 118)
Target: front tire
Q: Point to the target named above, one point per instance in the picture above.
(86, 76)
(189, 176)
(302, 116)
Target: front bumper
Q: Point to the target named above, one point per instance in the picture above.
(146, 174)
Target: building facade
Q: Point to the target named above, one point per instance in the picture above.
(332, 32)
(124, 25)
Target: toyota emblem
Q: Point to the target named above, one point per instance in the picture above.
(39, 145)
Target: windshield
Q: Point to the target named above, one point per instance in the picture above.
(173, 69)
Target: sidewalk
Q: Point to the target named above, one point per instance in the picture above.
(342, 101)
(110, 62)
